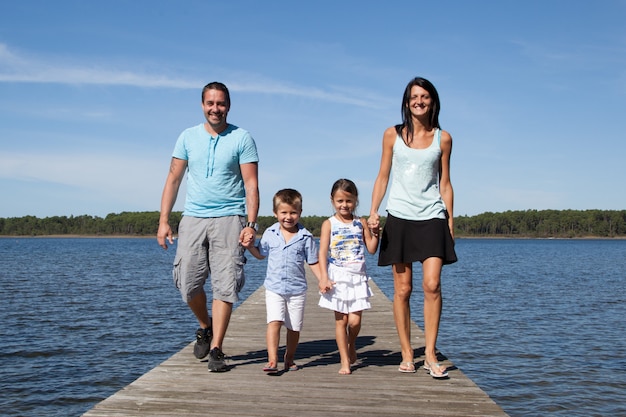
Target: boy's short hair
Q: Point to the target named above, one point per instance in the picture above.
(287, 196)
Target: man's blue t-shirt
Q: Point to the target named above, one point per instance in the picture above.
(214, 183)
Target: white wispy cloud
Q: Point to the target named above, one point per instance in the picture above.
(19, 68)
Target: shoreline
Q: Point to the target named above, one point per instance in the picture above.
(75, 236)
(78, 236)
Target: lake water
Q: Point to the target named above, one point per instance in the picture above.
(537, 324)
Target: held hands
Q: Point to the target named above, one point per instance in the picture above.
(325, 285)
(373, 223)
(247, 237)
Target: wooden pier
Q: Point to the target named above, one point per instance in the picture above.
(183, 386)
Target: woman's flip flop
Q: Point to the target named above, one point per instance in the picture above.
(407, 367)
(436, 365)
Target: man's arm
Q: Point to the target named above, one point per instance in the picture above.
(250, 175)
(170, 192)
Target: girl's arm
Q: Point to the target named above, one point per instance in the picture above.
(445, 185)
(324, 283)
(382, 180)
(370, 237)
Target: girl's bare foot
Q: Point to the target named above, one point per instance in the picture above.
(344, 371)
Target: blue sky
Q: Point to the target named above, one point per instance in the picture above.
(94, 94)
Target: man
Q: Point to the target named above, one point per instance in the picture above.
(222, 185)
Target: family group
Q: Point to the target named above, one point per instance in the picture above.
(219, 224)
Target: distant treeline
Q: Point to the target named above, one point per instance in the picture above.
(544, 224)
(528, 223)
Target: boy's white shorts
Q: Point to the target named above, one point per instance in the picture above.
(286, 308)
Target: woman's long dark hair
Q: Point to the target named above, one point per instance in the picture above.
(407, 121)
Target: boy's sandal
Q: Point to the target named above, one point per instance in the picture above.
(291, 367)
(407, 367)
(270, 367)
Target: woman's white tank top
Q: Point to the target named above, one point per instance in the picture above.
(414, 192)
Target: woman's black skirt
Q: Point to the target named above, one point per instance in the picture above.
(408, 241)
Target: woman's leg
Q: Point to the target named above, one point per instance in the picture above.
(402, 288)
(432, 307)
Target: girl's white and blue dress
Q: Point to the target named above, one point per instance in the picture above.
(346, 268)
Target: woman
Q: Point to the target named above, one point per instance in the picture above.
(419, 226)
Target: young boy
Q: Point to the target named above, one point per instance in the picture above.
(287, 244)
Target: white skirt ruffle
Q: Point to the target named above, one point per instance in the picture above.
(350, 293)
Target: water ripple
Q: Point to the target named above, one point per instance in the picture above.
(537, 324)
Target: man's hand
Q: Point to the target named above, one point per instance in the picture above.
(164, 233)
(247, 237)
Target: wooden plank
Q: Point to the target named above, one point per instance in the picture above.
(183, 386)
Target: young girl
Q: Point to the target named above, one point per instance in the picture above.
(343, 279)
